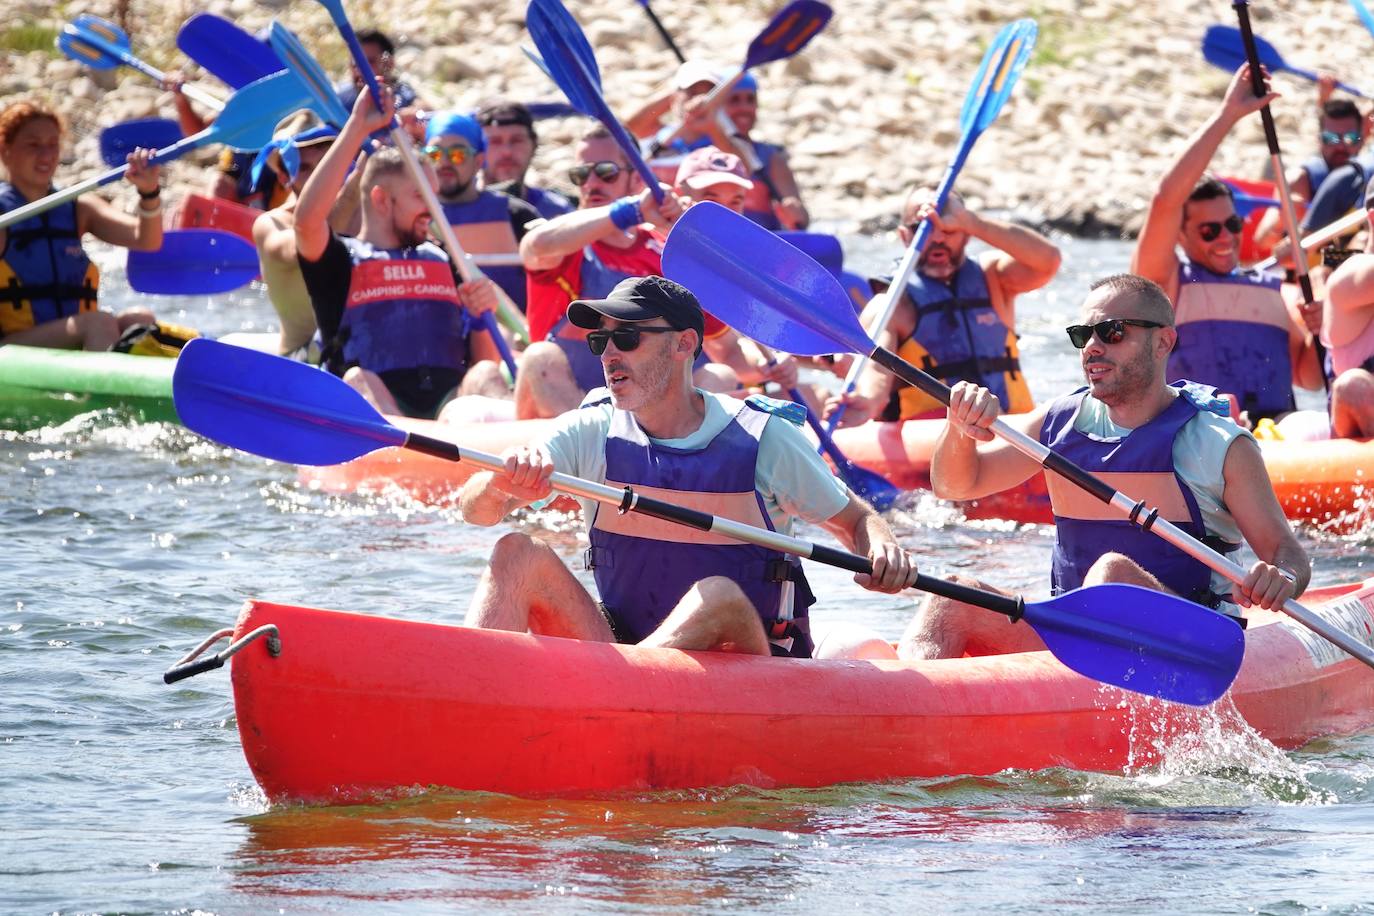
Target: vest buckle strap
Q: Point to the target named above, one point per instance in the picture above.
(787, 627)
(780, 570)
(593, 557)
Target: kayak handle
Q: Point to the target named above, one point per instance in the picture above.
(189, 667)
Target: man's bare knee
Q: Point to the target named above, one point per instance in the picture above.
(720, 592)
(516, 551)
(1117, 567)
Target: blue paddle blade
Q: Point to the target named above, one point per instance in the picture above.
(543, 111)
(997, 75)
(1224, 47)
(194, 261)
(788, 32)
(1147, 641)
(760, 285)
(824, 249)
(274, 407)
(1365, 15)
(571, 64)
(119, 140)
(86, 26)
(253, 112)
(324, 100)
(227, 51)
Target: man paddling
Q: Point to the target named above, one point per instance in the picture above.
(396, 323)
(583, 255)
(957, 317)
(274, 234)
(1348, 330)
(1234, 330)
(485, 221)
(511, 141)
(658, 584)
(1171, 445)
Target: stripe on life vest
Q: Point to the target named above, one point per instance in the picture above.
(380, 280)
(741, 507)
(1159, 490)
(1230, 302)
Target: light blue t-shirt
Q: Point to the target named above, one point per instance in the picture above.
(1199, 458)
(792, 479)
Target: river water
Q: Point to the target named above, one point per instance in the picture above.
(129, 543)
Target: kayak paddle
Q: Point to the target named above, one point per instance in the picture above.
(785, 34)
(569, 62)
(662, 32)
(246, 123)
(1287, 211)
(226, 50)
(819, 247)
(194, 261)
(1224, 46)
(1247, 203)
(992, 84)
(102, 45)
(1348, 223)
(770, 291)
(289, 48)
(118, 141)
(1134, 638)
(1365, 15)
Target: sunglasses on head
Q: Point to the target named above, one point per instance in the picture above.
(1209, 231)
(1349, 138)
(626, 339)
(454, 154)
(1111, 331)
(606, 171)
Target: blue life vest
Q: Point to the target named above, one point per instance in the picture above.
(1141, 466)
(402, 311)
(1233, 334)
(483, 227)
(643, 566)
(958, 337)
(1317, 171)
(44, 272)
(549, 203)
(758, 203)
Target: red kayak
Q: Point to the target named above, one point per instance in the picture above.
(353, 706)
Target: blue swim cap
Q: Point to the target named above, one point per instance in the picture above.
(748, 82)
(456, 124)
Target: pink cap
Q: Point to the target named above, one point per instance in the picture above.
(707, 166)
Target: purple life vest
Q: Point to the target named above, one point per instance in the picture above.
(483, 227)
(1141, 466)
(1233, 334)
(643, 566)
(402, 311)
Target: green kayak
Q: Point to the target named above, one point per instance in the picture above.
(39, 387)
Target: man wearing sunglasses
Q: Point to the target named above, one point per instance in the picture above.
(1171, 445)
(1234, 330)
(395, 320)
(485, 221)
(957, 316)
(614, 234)
(660, 584)
(511, 141)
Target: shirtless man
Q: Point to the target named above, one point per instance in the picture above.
(1348, 329)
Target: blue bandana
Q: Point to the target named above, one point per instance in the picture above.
(456, 124)
(289, 148)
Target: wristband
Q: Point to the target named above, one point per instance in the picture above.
(625, 213)
(145, 213)
(149, 195)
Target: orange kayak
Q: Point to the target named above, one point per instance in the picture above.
(1328, 483)
(199, 212)
(355, 706)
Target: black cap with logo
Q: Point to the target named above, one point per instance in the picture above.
(641, 299)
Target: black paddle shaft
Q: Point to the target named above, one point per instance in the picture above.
(1012, 606)
(1271, 136)
(663, 32)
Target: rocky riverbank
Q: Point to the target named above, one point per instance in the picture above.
(1109, 97)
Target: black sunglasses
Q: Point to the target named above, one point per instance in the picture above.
(1111, 331)
(606, 171)
(1209, 231)
(626, 339)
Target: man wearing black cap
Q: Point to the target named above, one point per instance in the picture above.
(511, 142)
(660, 584)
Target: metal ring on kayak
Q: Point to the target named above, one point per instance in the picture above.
(189, 667)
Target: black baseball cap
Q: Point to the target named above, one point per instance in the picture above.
(640, 299)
